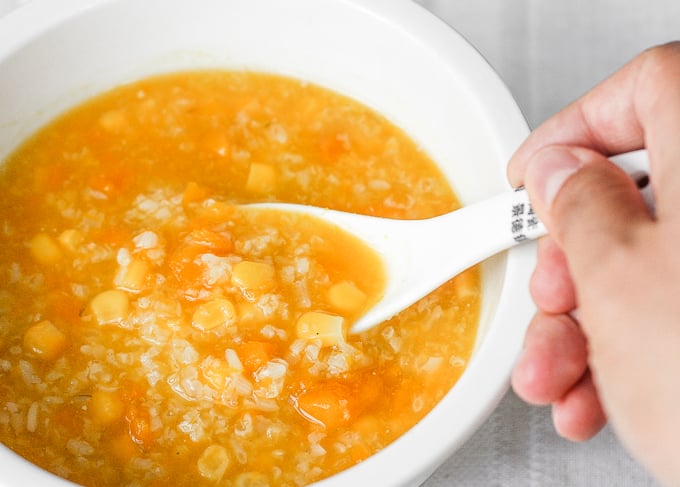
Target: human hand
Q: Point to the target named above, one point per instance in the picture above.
(605, 342)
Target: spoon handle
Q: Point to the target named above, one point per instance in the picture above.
(525, 225)
(497, 223)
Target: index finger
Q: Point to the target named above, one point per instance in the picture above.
(637, 107)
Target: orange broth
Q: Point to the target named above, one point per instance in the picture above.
(154, 332)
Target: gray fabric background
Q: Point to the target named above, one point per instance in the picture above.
(548, 53)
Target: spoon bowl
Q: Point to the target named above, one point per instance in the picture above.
(421, 255)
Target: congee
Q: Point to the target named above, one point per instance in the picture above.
(155, 331)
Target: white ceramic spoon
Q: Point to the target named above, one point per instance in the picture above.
(421, 255)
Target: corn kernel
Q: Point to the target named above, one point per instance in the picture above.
(132, 277)
(261, 178)
(345, 296)
(253, 276)
(322, 326)
(210, 315)
(110, 307)
(70, 239)
(106, 407)
(213, 463)
(45, 340)
(45, 249)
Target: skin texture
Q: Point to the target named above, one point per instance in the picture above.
(605, 341)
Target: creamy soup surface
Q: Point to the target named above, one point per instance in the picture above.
(155, 332)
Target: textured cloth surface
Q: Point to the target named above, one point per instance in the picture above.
(517, 447)
(548, 53)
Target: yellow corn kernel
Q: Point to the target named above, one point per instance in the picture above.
(45, 249)
(253, 276)
(110, 307)
(45, 341)
(132, 277)
(261, 178)
(70, 239)
(213, 463)
(345, 296)
(210, 315)
(106, 407)
(322, 326)
(113, 120)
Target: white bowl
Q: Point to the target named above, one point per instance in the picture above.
(389, 54)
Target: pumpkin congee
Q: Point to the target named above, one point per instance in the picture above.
(156, 331)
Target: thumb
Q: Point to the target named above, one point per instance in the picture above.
(590, 207)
